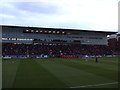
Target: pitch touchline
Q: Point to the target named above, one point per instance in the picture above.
(95, 85)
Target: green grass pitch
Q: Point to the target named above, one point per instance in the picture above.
(60, 73)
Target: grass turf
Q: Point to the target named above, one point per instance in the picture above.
(60, 73)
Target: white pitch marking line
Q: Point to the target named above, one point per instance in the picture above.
(95, 85)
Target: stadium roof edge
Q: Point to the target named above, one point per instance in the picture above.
(61, 29)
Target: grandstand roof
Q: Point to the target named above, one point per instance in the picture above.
(106, 32)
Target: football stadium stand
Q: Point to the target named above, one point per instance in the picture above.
(114, 43)
(19, 41)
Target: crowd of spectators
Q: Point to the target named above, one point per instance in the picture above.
(54, 49)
